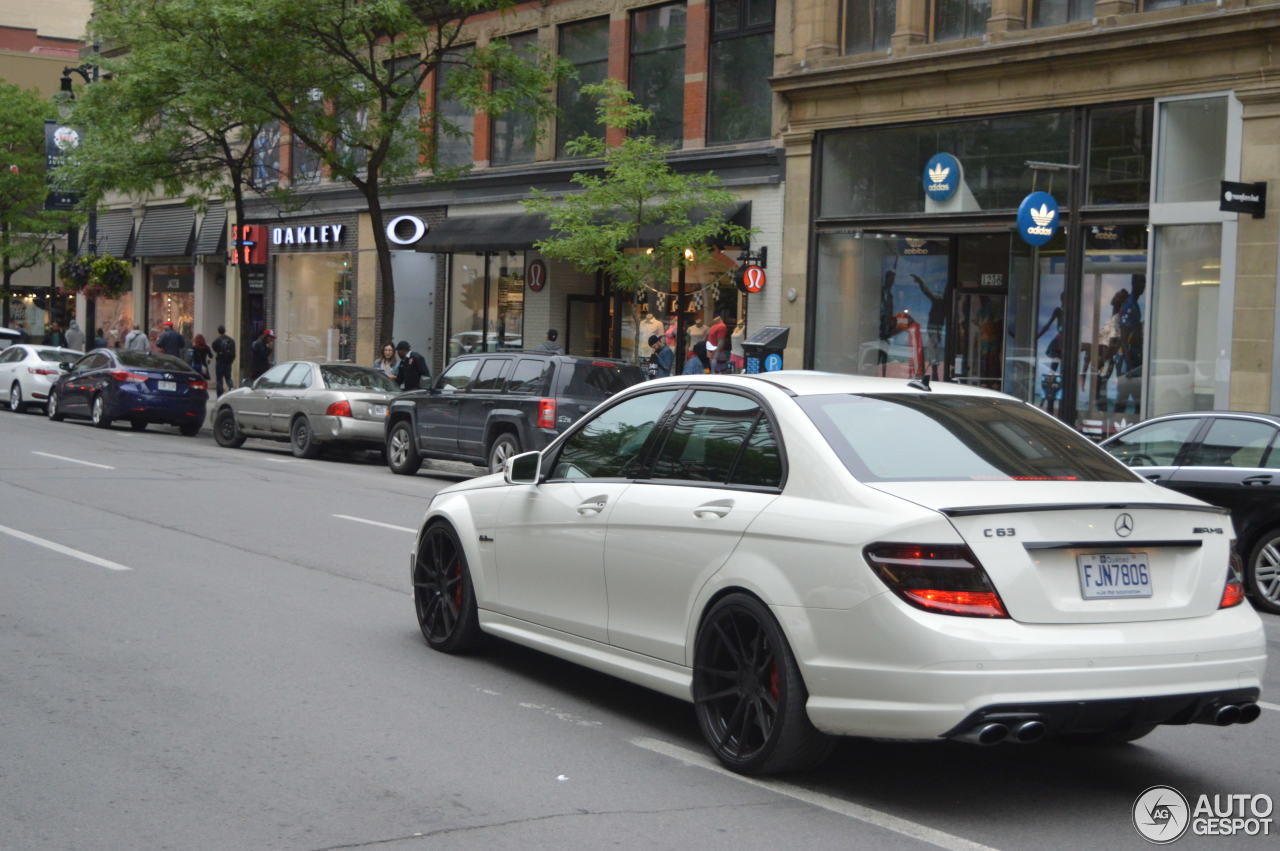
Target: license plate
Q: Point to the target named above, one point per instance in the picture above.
(1105, 576)
(378, 410)
(169, 386)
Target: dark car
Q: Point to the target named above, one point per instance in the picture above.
(1226, 458)
(110, 384)
(486, 408)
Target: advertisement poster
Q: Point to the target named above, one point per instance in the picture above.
(914, 307)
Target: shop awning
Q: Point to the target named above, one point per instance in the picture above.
(212, 240)
(166, 232)
(738, 214)
(114, 234)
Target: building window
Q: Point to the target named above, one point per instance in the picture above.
(1048, 13)
(313, 315)
(266, 155)
(1193, 147)
(1151, 5)
(740, 101)
(454, 121)
(868, 24)
(657, 68)
(585, 46)
(960, 18)
(171, 299)
(512, 137)
(306, 163)
(405, 154)
(1120, 155)
(486, 303)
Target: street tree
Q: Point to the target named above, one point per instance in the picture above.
(603, 226)
(345, 80)
(28, 232)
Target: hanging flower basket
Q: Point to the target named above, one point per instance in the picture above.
(97, 277)
(74, 273)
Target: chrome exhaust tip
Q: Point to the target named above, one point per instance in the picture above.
(1029, 731)
(1225, 715)
(990, 734)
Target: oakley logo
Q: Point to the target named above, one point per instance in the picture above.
(1124, 525)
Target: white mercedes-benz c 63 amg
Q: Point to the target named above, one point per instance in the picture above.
(803, 555)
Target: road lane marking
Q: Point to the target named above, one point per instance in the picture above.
(72, 460)
(283, 460)
(1274, 707)
(375, 523)
(848, 809)
(66, 551)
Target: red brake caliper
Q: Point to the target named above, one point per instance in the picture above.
(457, 589)
(773, 680)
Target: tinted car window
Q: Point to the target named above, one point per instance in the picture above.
(600, 379)
(299, 377)
(928, 437)
(12, 355)
(274, 377)
(53, 355)
(491, 375)
(529, 376)
(357, 378)
(760, 463)
(707, 437)
(147, 360)
(1154, 445)
(457, 376)
(611, 445)
(1233, 443)
(95, 361)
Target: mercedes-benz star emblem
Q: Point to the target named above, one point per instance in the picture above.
(1124, 525)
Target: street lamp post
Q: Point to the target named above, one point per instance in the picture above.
(89, 73)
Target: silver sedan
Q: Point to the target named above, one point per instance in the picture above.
(309, 404)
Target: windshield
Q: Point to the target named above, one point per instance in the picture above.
(147, 360)
(907, 438)
(600, 379)
(357, 378)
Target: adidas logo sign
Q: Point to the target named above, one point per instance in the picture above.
(937, 175)
(1042, 217)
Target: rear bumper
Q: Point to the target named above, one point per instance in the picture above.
(155, 408)
(348, 430)
(885, 670)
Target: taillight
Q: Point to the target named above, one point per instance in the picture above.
(198, 385)
(1233, 591)
(546, 413)
(942, 578)
(123, 375)
(338, 409)
(36, 370)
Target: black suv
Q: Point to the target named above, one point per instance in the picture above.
(485, 408)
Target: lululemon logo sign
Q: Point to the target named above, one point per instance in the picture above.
(406, 230)
(753, 279)
(1037, 218)
(941, 176)
(536, 275)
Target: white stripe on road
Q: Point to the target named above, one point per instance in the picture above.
(817, 799)
(1274, 707)
(72, 460)
(66, 551)
(374, 523)
(283, 460)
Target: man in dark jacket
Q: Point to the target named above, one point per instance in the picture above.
(413, 371)
(171, 342)
(260, 353)
(224, 354)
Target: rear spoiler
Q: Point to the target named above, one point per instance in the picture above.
(974, 510)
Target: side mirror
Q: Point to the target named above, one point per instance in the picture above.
(65, 366)
(523, 469)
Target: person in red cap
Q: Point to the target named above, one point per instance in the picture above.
(261, 353)
(171, 342)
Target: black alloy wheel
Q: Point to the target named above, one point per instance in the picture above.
(15, 398)
(504, 446)
(1262, 573)
(225, 432)
(301, 439)
(748, 693)
(138, 425)
(443, 594)
(51, 409)
(98, 412)
(402, 452)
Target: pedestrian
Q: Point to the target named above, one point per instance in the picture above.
(260, 353)
(75, 337)
(23, 336)
(200, 355)
(412, 369)
(388, 362)
(171, 342)
(551, 346)
(53, 336)
(699, 364)
(662, 357)
(136, 341)
(100, 340)
(224, 354)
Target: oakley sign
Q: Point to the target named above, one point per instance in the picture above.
(307, 235)
(406, 230)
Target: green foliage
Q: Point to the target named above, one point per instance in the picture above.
(96, 277)
(599, 228)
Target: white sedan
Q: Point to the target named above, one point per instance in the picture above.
(28, 370)
(803, 555)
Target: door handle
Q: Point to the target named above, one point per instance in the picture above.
(594, 505)
(1151, 477)
(1257, 481)
(720, 508)
(488, 404)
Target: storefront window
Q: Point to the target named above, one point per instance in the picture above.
(879, 171)
(1120, 155)
(512, 135)
(454, 120)
(868, 24)
(960, 18)
(1193, 144)
(1047, 13)
(1187, 272)
(657, 69)
(171, 297)
(740, 99)
(314, 306)
(115, 317)
(486, 303)
(585, 46)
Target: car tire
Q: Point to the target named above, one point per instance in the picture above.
(51, 408)
(748, 693)
(15, 398)
(1262, 573)
(225, 431)
(301, 439)
(98, 412)
(402, 451)
(189, 429)
(503, 447)
(443, 595)
(138, 425)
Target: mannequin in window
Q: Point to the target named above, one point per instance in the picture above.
(915, 341)
(717, 336)
(649, 325)
(697, 333)
(738, 357)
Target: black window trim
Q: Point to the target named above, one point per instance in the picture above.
(503, 373)
(551, 455)
(1202, 432)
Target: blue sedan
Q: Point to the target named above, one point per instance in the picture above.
(109, 384)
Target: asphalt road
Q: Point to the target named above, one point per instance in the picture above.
(223, 655)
